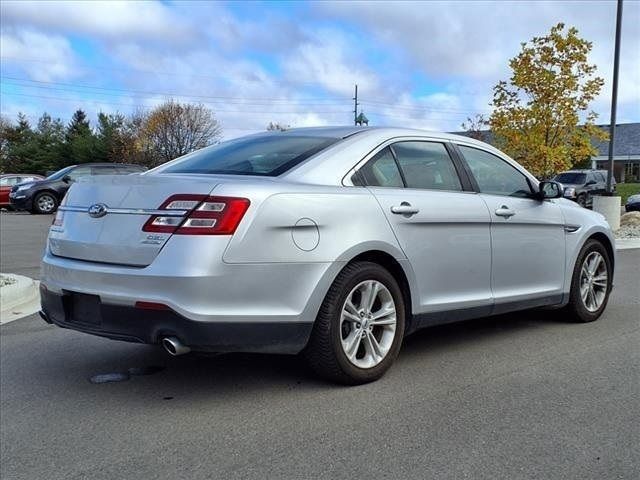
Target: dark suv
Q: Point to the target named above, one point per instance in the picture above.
(44, 196)
(582, 185)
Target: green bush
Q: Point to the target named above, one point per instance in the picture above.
(625, 190)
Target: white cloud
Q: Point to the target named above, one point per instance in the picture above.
(26, 44)
(471, 42)
(112, 19)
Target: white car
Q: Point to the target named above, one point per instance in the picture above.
(335, 242)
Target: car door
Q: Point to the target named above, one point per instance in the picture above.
(527, 235)
(442, 228)
(6, 184)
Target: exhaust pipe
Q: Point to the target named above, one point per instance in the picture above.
(174, 346)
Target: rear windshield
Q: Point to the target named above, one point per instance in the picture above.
(268, 155)
(571, 178)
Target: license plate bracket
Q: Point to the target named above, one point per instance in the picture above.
(82, 308)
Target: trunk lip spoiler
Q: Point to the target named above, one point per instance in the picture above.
(126, 211)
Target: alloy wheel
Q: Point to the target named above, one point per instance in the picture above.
(593, 281)
(368, 324)
(46, 203)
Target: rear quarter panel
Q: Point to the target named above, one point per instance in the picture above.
(311, 224)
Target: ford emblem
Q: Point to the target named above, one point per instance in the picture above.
(98, 210)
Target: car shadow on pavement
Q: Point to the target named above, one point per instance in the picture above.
(205, 374)
(149, 370)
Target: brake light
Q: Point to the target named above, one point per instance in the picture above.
(204, 215)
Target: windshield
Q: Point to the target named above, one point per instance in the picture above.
(60, 173)
(571, 178)
(268, 155)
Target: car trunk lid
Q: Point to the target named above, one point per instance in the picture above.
(116, 236)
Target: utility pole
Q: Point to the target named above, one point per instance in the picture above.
(614, 97)
(355, 106)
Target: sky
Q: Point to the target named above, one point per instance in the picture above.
(427, 65)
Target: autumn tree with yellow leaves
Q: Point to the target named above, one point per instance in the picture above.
(541, 116)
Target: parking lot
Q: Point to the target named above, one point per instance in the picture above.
(516, 396)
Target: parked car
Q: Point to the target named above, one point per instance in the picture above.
(582, 185)
(633, 203)
(7, 181)
(44, 196)
(334, 242)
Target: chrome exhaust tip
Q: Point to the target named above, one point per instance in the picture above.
(174, 346)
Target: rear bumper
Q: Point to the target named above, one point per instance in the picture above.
(212, 306)
(132, 324)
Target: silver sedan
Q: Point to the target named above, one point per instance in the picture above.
(334, 242)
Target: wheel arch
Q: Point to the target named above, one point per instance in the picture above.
(606, 242)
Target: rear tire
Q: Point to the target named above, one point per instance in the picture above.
(45, 203)
(355, 340)
(590, 284)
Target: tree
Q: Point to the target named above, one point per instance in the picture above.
(277, 127)
(536, 117)
(174, 129)
(80, 142)
(476, 127)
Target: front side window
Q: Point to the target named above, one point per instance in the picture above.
(78, 172)
(268, 155)
(381, 171)
(495, 176)
(427, 165)
(103, 170)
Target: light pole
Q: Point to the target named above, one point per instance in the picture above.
(614, 97)
(608, 204)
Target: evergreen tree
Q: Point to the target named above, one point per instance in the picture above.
(80, 141)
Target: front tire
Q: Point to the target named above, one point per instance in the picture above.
(45, 203)
(359, 329)
(582, 200)
(591, 283)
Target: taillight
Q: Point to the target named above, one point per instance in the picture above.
(204, 215)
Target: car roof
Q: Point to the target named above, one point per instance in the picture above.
(346, 131)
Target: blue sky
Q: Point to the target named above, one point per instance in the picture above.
(424, 64)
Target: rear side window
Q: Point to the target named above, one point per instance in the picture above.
(427, 165)
(268, 155)
(382, 171)
(494, 175)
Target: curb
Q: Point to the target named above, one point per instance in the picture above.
(19, 299)
(627, 243)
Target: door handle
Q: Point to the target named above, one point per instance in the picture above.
(505, 212)
(404, 208)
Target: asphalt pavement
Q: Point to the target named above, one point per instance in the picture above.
(526, 395)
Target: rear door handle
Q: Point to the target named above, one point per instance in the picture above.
(505, 212)
(404, 208)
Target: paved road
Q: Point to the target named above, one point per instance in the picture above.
(22, 240)
(516, 396)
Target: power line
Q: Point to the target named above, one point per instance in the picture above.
(147, 92)
(131, 105)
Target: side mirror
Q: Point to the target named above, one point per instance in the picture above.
(550, 190)
(67, 179)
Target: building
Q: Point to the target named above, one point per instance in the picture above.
(626, 151)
